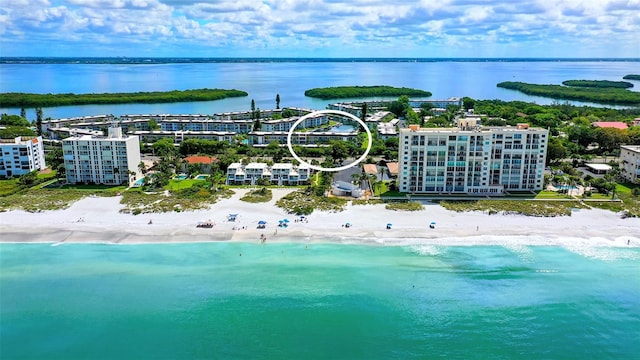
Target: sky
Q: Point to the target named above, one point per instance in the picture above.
(321, 28)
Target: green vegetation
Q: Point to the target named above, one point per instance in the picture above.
(36, 200)
(304, 202)
(598, 84)
(14, 120)
(49, 100)
(23, 183)
(632, 77)
(596, 95)
(9, 187)
(199, 196)
(367, 202)
(404, 206)
(629, 204)
(12, 132)
(342, 92)
(522, 207)
(258, 196)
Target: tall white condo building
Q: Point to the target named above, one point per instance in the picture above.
(471, 159)
(111, 160)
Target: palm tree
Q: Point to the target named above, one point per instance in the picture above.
(364, 177)
(355, 179)
(372, 182)
(39, 121)
(380, 172)
(132, 175)
(142, 167)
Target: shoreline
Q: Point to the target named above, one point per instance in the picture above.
(98, 220)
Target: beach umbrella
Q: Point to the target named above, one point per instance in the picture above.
(286, 220)
(262, 222)
(348, 224)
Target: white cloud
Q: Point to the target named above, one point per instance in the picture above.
(343, 25)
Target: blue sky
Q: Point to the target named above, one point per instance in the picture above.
(321, 28)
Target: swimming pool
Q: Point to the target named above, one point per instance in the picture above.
(566, 187)
(202, 177)
(180, 177)
(139, 182)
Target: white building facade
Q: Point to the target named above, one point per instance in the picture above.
(479, 161)
(21, 155)
(278, 174)
(630, 163)
(111, 160)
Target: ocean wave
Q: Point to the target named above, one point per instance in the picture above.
(427, 250)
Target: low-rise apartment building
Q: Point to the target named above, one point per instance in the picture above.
(630, 163)
(21, 155)
(279, 173)
(476, 161)
(110, 160)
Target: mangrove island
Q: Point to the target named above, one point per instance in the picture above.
(614, 96)
(598, 84)
(14, 99)
(343, 92)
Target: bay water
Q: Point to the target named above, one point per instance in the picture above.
(317, 301)
(263, 80)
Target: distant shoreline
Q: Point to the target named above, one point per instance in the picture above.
(182, 60)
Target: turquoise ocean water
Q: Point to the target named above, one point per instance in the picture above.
(317, 301)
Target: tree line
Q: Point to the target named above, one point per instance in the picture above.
(598, 84)
(343, 92)
(15, 99)
(595, 95)
(571, 127)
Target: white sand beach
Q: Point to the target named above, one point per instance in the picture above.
(99, 220)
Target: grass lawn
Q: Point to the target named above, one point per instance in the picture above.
(629, 202)
(546, 194)
(8, 187)
(181, 184)
(382, 189)
(598, 196)
(95, 188)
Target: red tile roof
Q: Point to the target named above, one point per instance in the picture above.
(370, 169)
(393, 168)
(200, 159)
(610, 124)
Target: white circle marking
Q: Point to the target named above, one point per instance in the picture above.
(338, 112)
